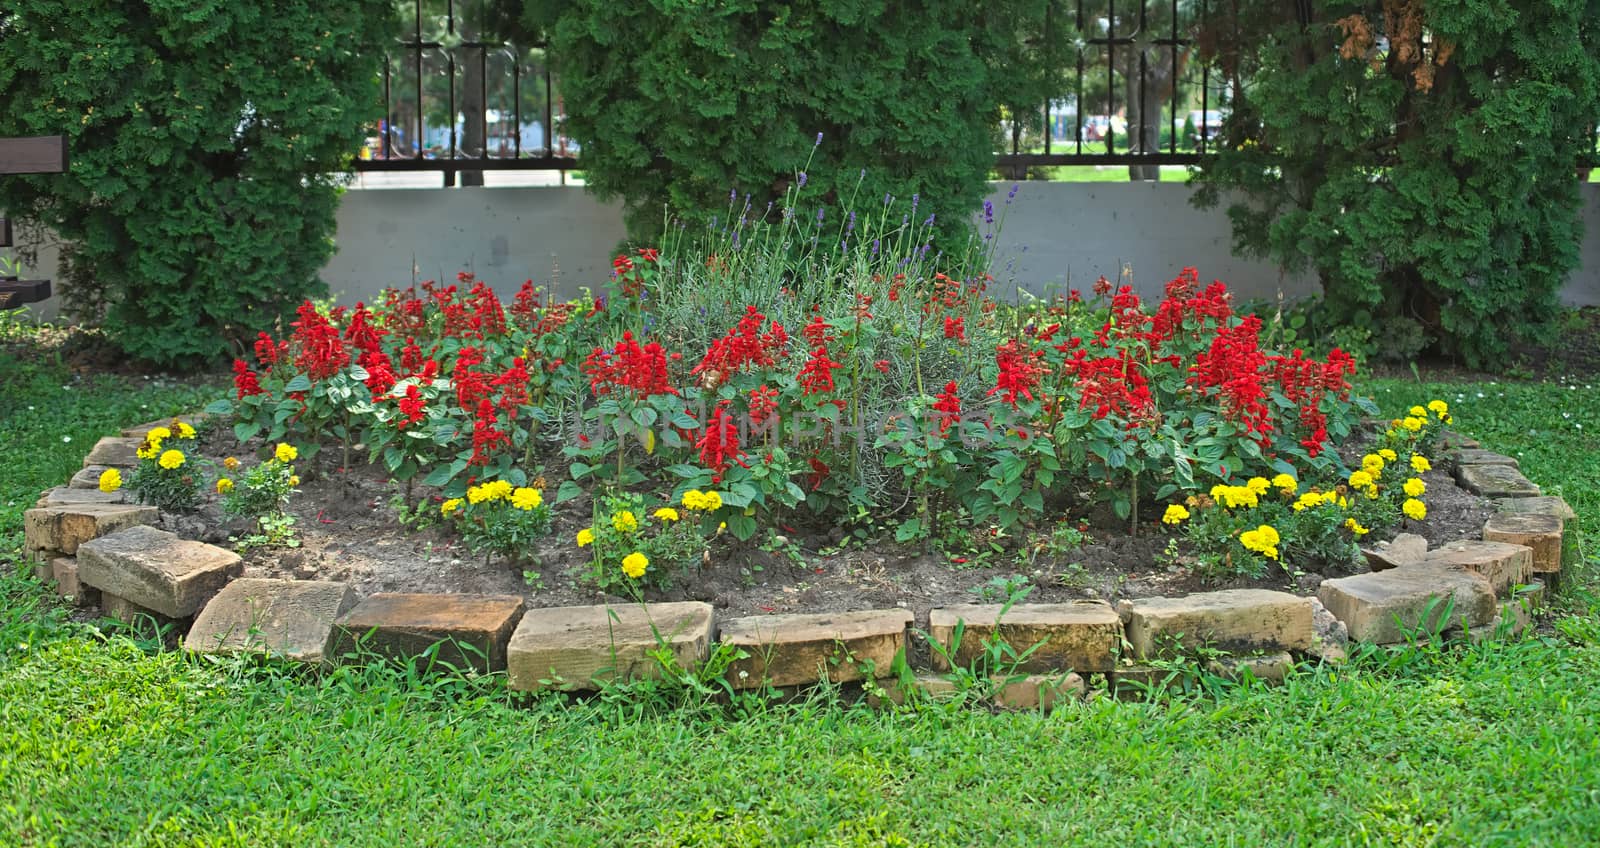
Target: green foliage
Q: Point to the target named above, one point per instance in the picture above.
(166, 476)
(1430, 187)
(498, 518)
(675, 103)
(204, 141)
(262, 494)
(669, 539)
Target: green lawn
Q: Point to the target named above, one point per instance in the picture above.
(105, 742)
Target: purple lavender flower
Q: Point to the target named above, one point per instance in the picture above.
(1013, 192)
(733, 194)
(819, 139)
(852, 225)
(821, 210)
(915, 199)
(874, 247)
(988, 211)
(887, 197)
(735, 239)
(929, 222)
(863, 173)
(802, 179)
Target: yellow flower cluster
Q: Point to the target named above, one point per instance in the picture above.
(624, 522)
(449, 507)
(171, 459)
(1414, 487)
(1355, 527)
(703, 501)
(634, 564)
(1263, 540)
(526, 499)
(1420, 463)
(1417, 417)
(150, 448)
(1175, 514)
(1364, 481)
(585, 537)
(494, 490)
(1286, 484)
(1414, 509)
(1314, 498)
(1248, 495)
(286, 452)
(110, 480)
(666, 513)
(224, 485)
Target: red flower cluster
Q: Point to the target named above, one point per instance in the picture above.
(486, 438)
(1112, 385)
(319, 351)
(1019, 371)
(817, 375)
(719, 446)
(744, 346)
(642, 370)
(413, 406)
(955, 328)
(948, 405)
(1232, 368)
(245, 380)
(763, 404)
(1305, 382)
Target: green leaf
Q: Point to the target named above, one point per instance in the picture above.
(742, 526)
(219, 407)
(244, 431)
(300, 383)
(909, 529)
(568, 490)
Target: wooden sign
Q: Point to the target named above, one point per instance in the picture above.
(42, 154)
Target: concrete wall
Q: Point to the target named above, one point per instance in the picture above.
(1055, 234)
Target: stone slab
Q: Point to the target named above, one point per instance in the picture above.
(470, 630)
(1450, 439)
(1504, 565)
(1137, 682)
(88, 478)
(1403, 549)
(288, 618)
(1272, 668)
(1382, 606)
(1082, 637)
(68, 496)
(1495, 481)
(1541, 533)
(128, 612)
(792, 650)
(114, 452)
(1475, 456)
(577, 648)
(64, 528)
(157, 570)
(1032, 692)
(1538, 505)
(1238, 621)
(64, 571)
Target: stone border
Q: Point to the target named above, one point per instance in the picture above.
(99, 549)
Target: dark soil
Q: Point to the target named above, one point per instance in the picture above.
(348, 531)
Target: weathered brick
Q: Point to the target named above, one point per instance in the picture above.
(1495, 481)
(1235, 620)
(1475, 456)
(1272, 668)
(289, 618)
(88, 478)
(67, 496)
(1404, 549)
(114, 452)
(1081, 636)
(1504, 565)
(1383, 606)
(157, 570)
(1540, 533)
(64, 571)
(1033, 692)
(1539, 505)
(790, 650)
(64, 528)
(579, 647)
(471, 631)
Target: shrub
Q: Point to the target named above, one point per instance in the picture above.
(1418, 157)
(498, 518)
(165, 477)
(261, 495)
(674, 105)
(205, 138)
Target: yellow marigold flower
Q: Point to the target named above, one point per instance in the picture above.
(1355, 527)
(526, 498)
(1420, 463)
(1259, 485)
(497, 490)
(172, 460)
(224, 485)
(158, 435)
(476, 495)
(184, 430)
(713, 501)
(634, 564)
(694, 499)
(585, 537)
(1307, 501)
(1175, 515)
(148, 449)
(1372, 493)
(1263, 540)
(1388, 455)
(1288, 485)
(286, 452)
(1372, 464)
(1414, 509)
(1412, 424)
(1417, 412)
(110, 480)
(231, 463)
(666, 513)
(1414, 487)
(1360, 479)
(1439, 407)
(449, 507)
(625, 522)
(294, 479)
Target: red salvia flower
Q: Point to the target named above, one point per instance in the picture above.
(1019, 372)
(955, 328)
(817, 375)
(413, 406)
(743, 347)
(320, 352)
(719, 446)
(763, 404)
(268, 353)
(486, 438)
(245, 380)
(948, 405)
